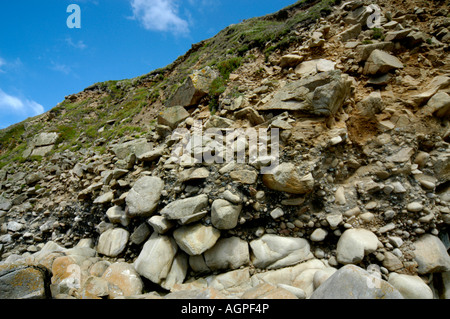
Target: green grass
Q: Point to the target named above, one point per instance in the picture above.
(378, 34)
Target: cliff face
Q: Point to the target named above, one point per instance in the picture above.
(283, 157)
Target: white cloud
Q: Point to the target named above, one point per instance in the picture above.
(159, 15)
(77, 45)
(18, 106)
(2, 63)
(63, 68)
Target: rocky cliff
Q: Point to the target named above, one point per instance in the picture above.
(304, 154)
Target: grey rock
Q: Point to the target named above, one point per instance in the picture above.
(436, 84)
(286, 178)
(113, 242)
(156, 258)
(363, 52)
(195, 87)
(186, 210)
(152, 155)
(228, 253)
(218, 122)
(319, 235)
(225, 215)
(354, 244)
(140, 234)
(397, 35)
(401, 156)
(143, 198)
(33, 178)
(414, 207)
(411, 287)
(431, 255)
(352, 282)
(160, 224)
(438, 105)
(290, 60)
(44, 139)
(117, 215)
(359, 15)
(177, 272)
(14, 226)
(196, 239)
(123, 276)
(371, 105)
(105, 198)
(244, 176)
(322, 94)
(350, 33)
(173, 116)
(380, 62)
(22, 282)
(272, 251)
(5, 204)
(136, 147)
(193, 174)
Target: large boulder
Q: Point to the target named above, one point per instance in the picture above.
(5, 204)
(156, 258)
(143, 198)
(286, 178)
(431, 255)
(195, 87)
(172, 116)
(224, 215)
(380, 62)
(123, 280)
(354, 245)
(352, 282)
(113, 242)
(438, 105)
(186, 211)
(272, 251)
(411, 287)
(228, 253)
(22, 282)
(322, 94)
(196, 239)
(136, 147)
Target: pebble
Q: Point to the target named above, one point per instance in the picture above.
(414, 207)
(319, 235)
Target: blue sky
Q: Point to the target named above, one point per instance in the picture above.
(42, 60)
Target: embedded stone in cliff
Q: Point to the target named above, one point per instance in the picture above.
(41, 145)
(172, 116)
(143, 198)
(187, 210)
(22, 282)
(322, 94)
(196, 239)
(352, 282)
(124, 280)
(290, 60)
(224, 215)
(156, 258)
(272, 251)
(431, 255)
(380, 62)
(228, 253)
(350, 33)
(286, 178)
(137, 147)
(354, 244)
(438, 105)
(113, 242)
(194, 88)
